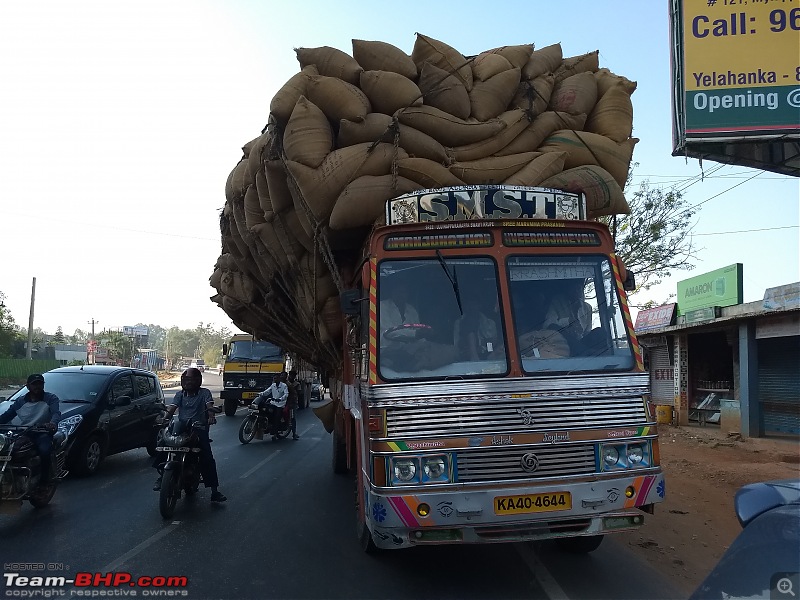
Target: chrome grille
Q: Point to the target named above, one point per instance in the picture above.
(502, 417)
(504, 463)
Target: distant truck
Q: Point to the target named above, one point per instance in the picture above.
(249, 365)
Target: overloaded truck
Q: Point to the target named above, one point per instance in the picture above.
(425, 230)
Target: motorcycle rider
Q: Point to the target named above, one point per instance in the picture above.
(193, 403)
(34, 408)
(279, 394)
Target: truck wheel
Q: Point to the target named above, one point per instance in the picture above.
(339, 454)
(580, 545)
(230, 407)
(365, 538)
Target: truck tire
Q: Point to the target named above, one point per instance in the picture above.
(580, 545)
(339, 454)
(230, 407)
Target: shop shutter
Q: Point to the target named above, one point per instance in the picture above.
(779, 384)
(662, 383)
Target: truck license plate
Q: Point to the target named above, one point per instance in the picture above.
(532, 503)
(249, 395)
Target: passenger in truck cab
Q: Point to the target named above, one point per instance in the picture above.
(477, 333)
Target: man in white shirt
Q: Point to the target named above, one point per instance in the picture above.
(279, 392)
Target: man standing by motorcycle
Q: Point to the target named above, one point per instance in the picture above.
(194, 403)
(34, 408)
(294, 399)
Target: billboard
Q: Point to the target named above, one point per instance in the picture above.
(723, 287)
(736, 66)
(137, 331)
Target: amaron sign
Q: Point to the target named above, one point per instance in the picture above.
(722, 287)
(737, 79)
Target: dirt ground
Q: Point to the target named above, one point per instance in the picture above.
(704, 467)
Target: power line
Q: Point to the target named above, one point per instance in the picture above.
(749, 230)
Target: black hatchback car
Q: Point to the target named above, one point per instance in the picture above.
(107, 409)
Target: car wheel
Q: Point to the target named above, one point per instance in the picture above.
(230, 407)
(580, 545)
(89, 456)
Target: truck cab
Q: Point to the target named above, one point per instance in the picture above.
(248, 368)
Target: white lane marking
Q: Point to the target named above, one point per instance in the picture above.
(540, 573)
(137, 549)
(261, 464)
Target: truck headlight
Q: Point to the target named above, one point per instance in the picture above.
(635, 454)
(405, 470)
(435, 469)
(610, 455)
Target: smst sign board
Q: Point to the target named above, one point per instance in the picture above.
(722, 287)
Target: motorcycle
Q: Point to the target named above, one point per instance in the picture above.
(182, 467)
(20, 464)
(257, 422)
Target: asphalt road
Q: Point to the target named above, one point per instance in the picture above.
(287, 531)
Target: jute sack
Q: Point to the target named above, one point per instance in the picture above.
(237, 182)
(491, 97)
(603, 194)
(215, 279)
(283, 102)
(542, 61)
(323, 288)
(541, 127)
(539, 169)
(308, 137)
(286, 238)
(380, 56)
(575, 95)
(516, 121)
(263, 196)
(338, 99)
(278, 187)
(364, 199)
(331, 317)
(544, 343)
(517, 56)
(388, 92)
(266, 233)
(577, 64)
(426, 173)
(320, 187)
(378, 127)
(296, 232)
(253, 214)
(487, 65)
(238, 286)
(585, 148)
(444, 56)
(255, 156)
(330, 62)
(534, 95)
(606, 79)
(494, 169)
(444, 91)
(248, 146)
(447, 129)
(612, 116)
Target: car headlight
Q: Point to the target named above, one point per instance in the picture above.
(635, 454)
(610, 455)
(405, 470)
(69, 425)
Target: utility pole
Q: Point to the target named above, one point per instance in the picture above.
(92, 344)
(29, 355)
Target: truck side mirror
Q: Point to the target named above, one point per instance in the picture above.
(629, 284)
(224, 349)
(349, 300)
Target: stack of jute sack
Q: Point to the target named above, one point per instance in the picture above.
(348, 132)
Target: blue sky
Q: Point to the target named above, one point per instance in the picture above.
(122, 121)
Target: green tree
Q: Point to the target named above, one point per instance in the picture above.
(9, 332)
(119, 345)
(58, 338)
(79, 336)
(654, 240)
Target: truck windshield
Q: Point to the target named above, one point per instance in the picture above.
(440, 317)
(567, 315)
(255, 351)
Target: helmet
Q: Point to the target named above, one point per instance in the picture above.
(191, 380)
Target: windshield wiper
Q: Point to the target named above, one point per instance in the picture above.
(453, 279)
(78, 401)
